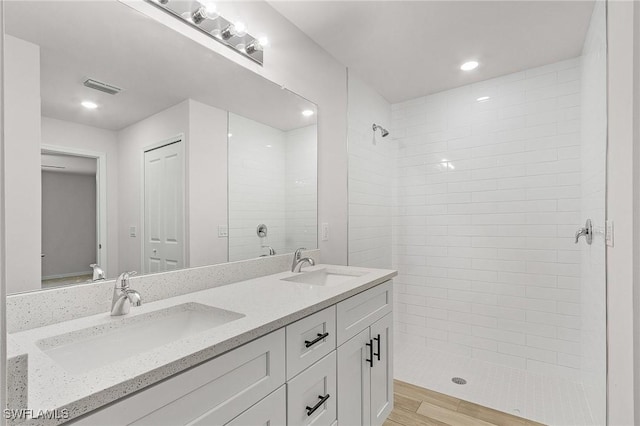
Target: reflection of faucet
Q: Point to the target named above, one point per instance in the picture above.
(98, 272)
(272, 252)
(123, 296)
(298, 260)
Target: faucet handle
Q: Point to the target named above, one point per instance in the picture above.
(299, 252)
(123, 279)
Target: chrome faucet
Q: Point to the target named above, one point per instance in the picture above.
(272, 252)
(123, 296)
(98, 272)
(298, 260)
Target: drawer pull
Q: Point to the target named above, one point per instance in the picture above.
(323, 399)
(377, 339)
(370, 360)
(321, 336)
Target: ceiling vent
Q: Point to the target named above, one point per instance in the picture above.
(103, 87)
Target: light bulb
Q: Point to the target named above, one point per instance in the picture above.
(241, 28)
(307, 113)
(483, 98)
(257, 45)
(205, 11)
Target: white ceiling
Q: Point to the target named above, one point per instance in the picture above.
(157, 67)
(407, 49)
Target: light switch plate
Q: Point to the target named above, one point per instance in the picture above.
(609, 233)
(223, 231)
(133, 232)
(325, 232)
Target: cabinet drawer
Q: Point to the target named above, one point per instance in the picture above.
(271, 411)
(310, 339)
(306, 390)
(360, 311)
(212, 393)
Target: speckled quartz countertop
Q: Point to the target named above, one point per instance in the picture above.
(267, 303)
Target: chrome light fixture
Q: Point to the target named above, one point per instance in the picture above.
(206, 19)
(207, 11)
(257, 45)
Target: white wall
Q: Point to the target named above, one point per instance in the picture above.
(68, 224)
(371, 177)
(272, 181)
(205, 132)
(65, 134)
(257, 195)
(294, 61)
(207, 184)
(593, 187)
(488, 202)
(622, 192)
(301, 188)
(131, 143)
(22, 171)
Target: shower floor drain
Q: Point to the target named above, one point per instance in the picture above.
(459, 381)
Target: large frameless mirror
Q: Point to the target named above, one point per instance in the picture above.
(131, 147)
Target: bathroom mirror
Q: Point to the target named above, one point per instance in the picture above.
(132, 147)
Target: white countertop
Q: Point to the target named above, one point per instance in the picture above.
(268, 304)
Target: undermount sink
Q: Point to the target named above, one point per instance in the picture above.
(90, 348)
(325, 277)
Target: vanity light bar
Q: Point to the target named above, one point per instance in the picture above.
(232, 35)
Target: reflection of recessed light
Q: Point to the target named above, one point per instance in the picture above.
(468, 66)
(89, 105)
(483, 98)
(307, 113)
(268, 146)
(229, 135)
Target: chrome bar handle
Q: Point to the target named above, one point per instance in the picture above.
(586, 232)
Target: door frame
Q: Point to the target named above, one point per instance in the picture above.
(179, 138)
(101, 196)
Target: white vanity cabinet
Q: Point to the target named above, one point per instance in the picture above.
(212, 393)
(365, 361)
(332, 367)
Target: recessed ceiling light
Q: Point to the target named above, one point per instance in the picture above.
(307, 113)
(89, 105)
(229, 135)
(268, 146)
(468, 66)
(483, 98)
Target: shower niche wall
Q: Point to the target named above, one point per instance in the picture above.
(484, 187)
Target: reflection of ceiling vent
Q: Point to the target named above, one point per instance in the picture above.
(103, 87)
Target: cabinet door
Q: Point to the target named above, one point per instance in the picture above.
(271, 411)
(354, 378)
(382, 371)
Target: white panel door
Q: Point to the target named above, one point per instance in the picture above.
(354, 381)
(164, 208)
(382, 371)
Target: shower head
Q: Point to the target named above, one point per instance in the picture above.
(384, 131)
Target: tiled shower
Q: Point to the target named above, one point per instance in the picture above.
(489, 183)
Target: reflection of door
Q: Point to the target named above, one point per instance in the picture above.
(164, 208)
(71, 215)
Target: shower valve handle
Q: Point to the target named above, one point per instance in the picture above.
(586, 232)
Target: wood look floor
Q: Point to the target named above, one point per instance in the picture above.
(416, 406)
